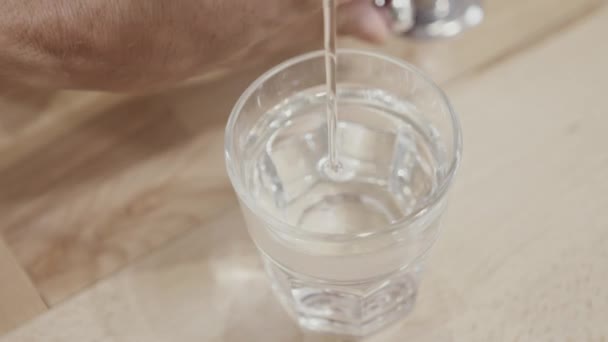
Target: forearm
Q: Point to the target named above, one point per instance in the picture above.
(107, 44)
(55, 43)
(134, 44)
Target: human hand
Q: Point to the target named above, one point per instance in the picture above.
(133, 45)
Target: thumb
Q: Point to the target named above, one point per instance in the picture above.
(360, 18)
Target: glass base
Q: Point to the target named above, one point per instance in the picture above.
(345, 308)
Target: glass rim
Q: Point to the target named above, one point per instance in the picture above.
(276, 224)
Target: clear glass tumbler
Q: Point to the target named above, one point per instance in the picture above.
(344, 255)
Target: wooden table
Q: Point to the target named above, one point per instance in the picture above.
(119, 223)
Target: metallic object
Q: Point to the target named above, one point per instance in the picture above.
(402, 12)
(433, 18)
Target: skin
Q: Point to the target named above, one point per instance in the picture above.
(130, 45)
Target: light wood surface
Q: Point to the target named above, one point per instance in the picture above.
(116, 188)
(19, 299)
(523, 255)
(93, 181)
(508, 28)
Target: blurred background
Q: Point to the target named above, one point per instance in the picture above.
(118, 220)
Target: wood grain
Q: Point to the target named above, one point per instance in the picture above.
(30, 118)
(117, 187)
(523, 256)
(19, 299)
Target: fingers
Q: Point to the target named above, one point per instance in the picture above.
(362, 19)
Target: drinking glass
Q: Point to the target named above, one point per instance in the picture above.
(344, 255)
